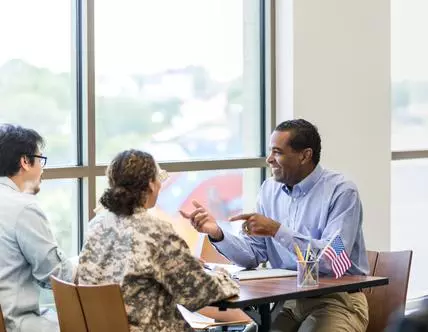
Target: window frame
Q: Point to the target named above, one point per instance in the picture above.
(400, 155)
(87, 170)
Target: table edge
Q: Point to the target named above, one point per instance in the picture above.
(225, 304)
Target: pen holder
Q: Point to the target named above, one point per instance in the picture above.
(307, 273)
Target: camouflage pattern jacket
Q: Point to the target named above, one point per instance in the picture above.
(153, 266)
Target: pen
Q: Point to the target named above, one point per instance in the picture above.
(206, 266)
(308, 252)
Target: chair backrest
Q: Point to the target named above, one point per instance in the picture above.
(372, 256)
(2, 324)
(384, 300)
(70, 314)
(103, 308)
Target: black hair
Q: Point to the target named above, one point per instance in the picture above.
(16, 142)
(303, 135)
(129, 176)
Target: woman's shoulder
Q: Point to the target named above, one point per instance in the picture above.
(104, 219)
(155, 233)
(147, 222)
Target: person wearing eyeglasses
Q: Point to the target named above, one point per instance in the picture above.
(29, 253)
(129, 246)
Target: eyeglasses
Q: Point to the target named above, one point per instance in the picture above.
(163, 175)
(43, 159)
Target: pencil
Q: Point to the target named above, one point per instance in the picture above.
(298, 253)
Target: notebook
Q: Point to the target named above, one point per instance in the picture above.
(264, 273)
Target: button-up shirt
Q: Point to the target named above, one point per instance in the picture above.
(321, 206)
(29, 254)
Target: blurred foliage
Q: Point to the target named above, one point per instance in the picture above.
(46, 101)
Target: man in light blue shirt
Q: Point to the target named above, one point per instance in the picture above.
(302, 203)
(29, 253)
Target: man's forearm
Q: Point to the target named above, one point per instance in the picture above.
(216, 236)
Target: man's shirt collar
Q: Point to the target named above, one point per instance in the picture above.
(5, 181)
(304, 186)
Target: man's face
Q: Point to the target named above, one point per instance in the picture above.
(285, 163)
(33, 175)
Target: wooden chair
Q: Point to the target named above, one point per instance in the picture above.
(70, 314)
(2, 323)
(385, 300)
(372, 256)
(103, 308)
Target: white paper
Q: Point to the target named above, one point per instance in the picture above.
(230, 268)
(194, 316)
(200, 322)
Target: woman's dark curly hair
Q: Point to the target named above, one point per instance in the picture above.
(129, 175)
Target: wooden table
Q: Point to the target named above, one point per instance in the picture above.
(261, 293)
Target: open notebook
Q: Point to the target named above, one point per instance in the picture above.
(264, 273)
(241, 273)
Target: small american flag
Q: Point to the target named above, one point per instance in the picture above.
(340, 261)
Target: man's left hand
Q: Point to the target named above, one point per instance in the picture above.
(257, 224)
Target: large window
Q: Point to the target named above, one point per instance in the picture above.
(184, 80)
(409, 221)
(409, 76)
(36, 73)
(58, 199)
(180, 79)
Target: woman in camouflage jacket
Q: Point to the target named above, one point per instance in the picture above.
(143, 254)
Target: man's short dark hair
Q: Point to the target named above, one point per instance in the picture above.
(303, 135)
(15, 142)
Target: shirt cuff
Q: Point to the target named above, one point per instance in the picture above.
(212, 240)
(284, 236)
(223, 243)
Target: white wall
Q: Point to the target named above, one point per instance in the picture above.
(333, 69)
